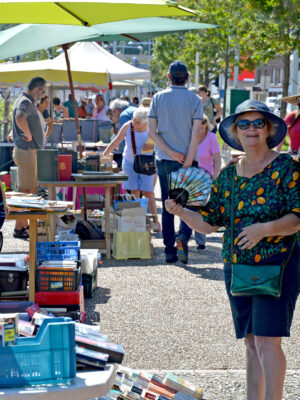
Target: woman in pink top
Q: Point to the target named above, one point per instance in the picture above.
(209, 158)
(100, 109)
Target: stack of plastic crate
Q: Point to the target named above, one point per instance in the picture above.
(59, 288)
(47, 358)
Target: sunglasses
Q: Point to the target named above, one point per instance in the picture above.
(245, 123)
(203, 121)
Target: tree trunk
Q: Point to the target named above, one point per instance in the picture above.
(285, 83)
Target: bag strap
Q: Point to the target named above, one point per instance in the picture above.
(132, 139)
(232, 224)
(212, 102)
(231, 214)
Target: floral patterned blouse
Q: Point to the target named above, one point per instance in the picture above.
(268, 195)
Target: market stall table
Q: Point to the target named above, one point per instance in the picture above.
(33, 217)
(108, 181)
(87, 385)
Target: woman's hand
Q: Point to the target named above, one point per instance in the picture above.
(179, 157)
(250, 236)
(173, 208)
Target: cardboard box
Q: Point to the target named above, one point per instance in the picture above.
(152, 222)
(113, 222)
(132, 220)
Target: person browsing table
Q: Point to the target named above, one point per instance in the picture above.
(136, 182)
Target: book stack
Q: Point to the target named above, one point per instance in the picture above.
(137, 385)
(98, 343)
(93, 349)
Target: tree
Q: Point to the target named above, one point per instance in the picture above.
(260, 29)
(284, 16)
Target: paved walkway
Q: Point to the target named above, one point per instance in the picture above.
(177, 318)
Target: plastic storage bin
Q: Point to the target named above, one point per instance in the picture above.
(47, 358)
(57, 279)
(131, 245)
(57, 251)
(143, 203)
(89, 282)
(13, 279)
(59, 298)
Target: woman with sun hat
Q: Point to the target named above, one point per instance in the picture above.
(262, 192)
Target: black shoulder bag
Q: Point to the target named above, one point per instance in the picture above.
(142, 164)
(218, 120)
(252, 280)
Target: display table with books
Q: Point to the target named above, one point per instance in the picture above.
(87, 385)
(108, 180)
(32, 217)
(31, 209)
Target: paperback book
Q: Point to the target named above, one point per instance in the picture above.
(180, 384)
(114, 351)
(91, 358)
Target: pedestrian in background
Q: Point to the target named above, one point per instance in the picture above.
(136, 182)
(257, 200)
(293, 124)
(100, 109)
(122, 112)
(211, 107)
(58, 110)
(82, 108)
(46, 121)
(89, 107)
(69, 113)
(135, 101)
(209, 158)
(175, 119)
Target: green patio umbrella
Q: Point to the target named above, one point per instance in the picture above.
(24, 38)
(86, 13)
(142, 29)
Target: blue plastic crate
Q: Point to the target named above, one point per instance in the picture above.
(47, 358)
(143, 203)
(57, 251)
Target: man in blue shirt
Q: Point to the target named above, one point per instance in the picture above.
(122, 112)
(175, 119)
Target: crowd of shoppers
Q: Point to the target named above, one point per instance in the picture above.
(256, 199)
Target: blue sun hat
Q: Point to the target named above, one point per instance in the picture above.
(279, 128)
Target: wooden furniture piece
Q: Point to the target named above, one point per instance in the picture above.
(105, 183)
(87, 385)
(33, 217)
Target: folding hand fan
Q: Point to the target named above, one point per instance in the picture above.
(189, 186)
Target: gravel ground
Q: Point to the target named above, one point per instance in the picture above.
(176, 318)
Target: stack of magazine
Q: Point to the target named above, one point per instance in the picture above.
(137, 385)
(24, 203)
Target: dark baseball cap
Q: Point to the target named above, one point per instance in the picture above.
(178, 69)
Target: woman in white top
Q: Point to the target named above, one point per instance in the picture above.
(136, 182)
(100, 109)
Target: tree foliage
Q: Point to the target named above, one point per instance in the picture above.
(260, 29)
